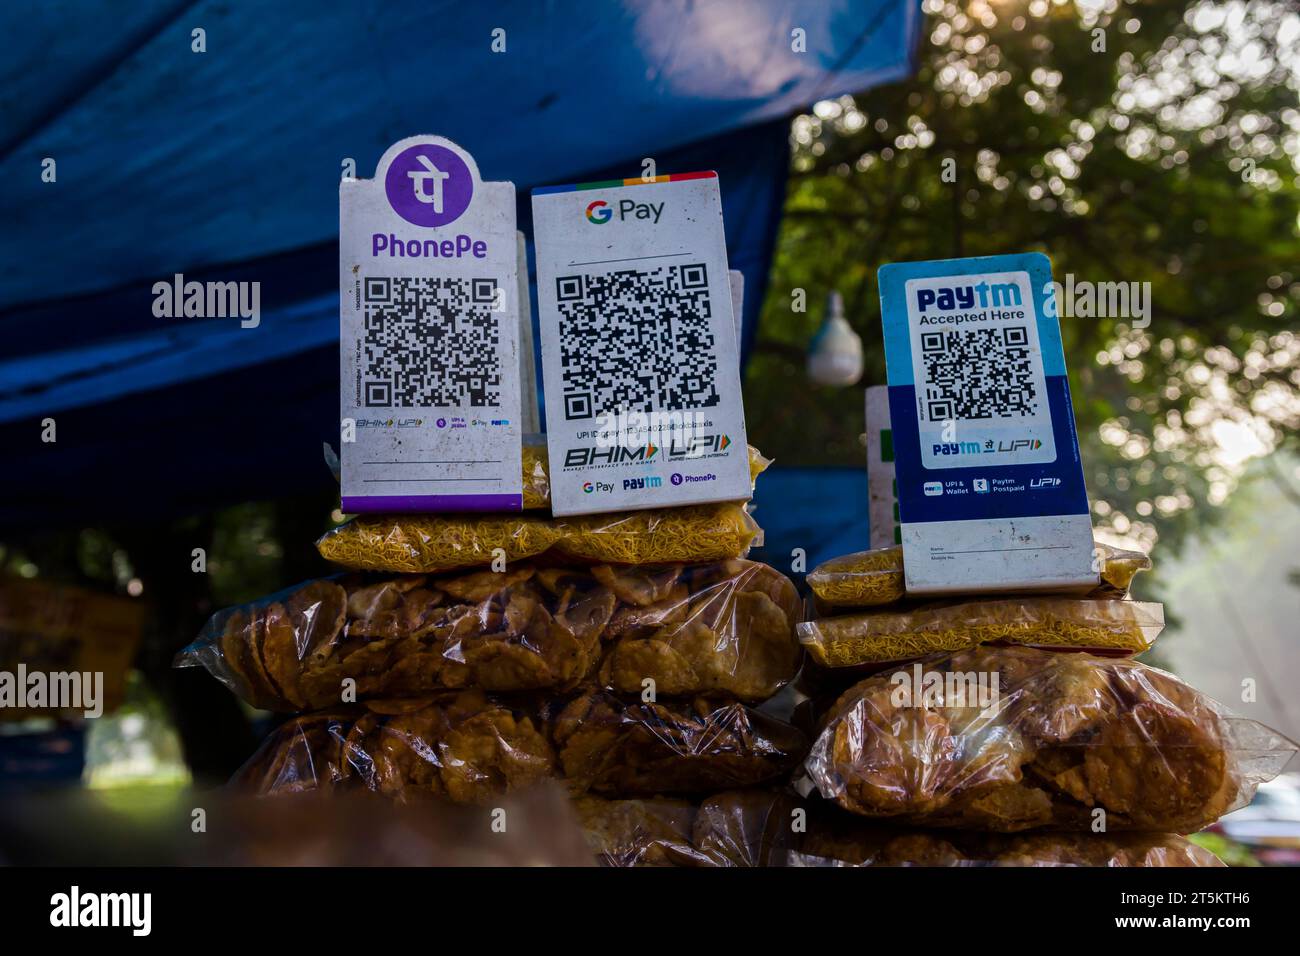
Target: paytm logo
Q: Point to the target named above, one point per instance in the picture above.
(932, 488)
(949, 298)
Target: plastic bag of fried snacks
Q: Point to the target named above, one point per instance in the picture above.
(870, 578)
(619, 746)
(766, 828)
(886, 635)
(1014, 738)
(463, 746)
(469, 747)
(725, 627)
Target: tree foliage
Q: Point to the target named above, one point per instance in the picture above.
(1132, 142)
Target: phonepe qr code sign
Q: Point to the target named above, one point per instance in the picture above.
(981, 393)
(431, 341)
(639, 352)
(430, 397)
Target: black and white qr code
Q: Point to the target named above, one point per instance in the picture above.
(636, 340)
(978, 373)
(431, 342)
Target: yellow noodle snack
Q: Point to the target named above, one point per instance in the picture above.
(431, 543)
(870, 578)
(885, 636)
(691, 533)
(537, 471)
(428, 544)
(864, 579)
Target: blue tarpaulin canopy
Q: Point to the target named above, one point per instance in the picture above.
(224, 164)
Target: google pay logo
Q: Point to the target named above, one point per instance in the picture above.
(599, 212)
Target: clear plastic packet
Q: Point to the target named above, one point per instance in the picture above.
(734, 828)
(610, 745)
(464, 747)
(724, 627)
(655, 831)
(871, 578)
(469, 746)
(1118, 568)
(431, 544)
(762, 828)
(861, 579)
(890, 635)
(868, 845)
(1014, 738)
(537, 471)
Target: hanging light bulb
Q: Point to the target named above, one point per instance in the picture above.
(835, 353)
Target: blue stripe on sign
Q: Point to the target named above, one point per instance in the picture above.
(1070, 497)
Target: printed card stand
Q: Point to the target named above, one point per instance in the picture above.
(429, 335)
(639, 346)
(990, 485)
(530, 420)
(882, 487)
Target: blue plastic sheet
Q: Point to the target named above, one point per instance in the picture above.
(224, 164)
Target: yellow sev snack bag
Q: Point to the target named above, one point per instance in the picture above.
(537, 471)
(428, 544)
(889, 635)
(871, 578)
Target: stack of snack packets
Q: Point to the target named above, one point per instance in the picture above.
(993, 648)
(623, 678)
(575, 606)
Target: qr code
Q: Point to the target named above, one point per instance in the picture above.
(636, 340)
(978, 373)
(431, 342)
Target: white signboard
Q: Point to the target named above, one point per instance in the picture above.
(639, 345)
(429, 335)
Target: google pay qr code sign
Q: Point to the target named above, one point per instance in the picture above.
(978, 369)
(639, 352)
(652, 330)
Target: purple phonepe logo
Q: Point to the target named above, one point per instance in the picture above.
(442, 423)
(428, 185)
(676, 479)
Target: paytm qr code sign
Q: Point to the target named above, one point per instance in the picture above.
(978, 370)
(429, 328)
(639, 352)
(987, 469)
